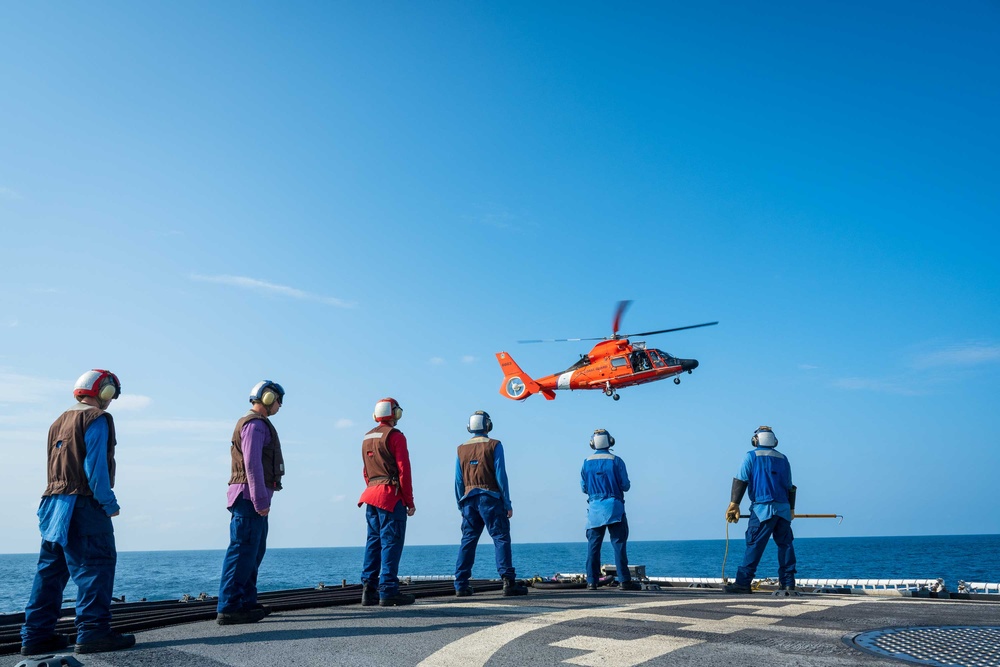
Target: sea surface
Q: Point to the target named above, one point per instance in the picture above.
(169, 575)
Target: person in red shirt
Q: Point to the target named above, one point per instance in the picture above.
(389, 500)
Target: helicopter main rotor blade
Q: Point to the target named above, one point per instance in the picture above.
(619, 313)
(650, 333)
(558, 340)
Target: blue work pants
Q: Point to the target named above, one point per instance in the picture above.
(619, 536)
(758, 533)
(478, 512)
(247, 544)
(89, 557)
(384, 547)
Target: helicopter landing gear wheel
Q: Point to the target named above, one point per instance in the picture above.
(677, 380)
(615, 396)
(608, 391)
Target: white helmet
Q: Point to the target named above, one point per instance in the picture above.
(480, 422)
(764, 437)
(387, 410)
(99, 384)
(601, 440)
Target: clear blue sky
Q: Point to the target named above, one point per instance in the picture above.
(360, 200)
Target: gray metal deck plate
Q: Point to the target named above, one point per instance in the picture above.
(964, 645)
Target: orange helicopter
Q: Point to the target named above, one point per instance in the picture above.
(611, 364)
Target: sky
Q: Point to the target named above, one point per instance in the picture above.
(362, 200)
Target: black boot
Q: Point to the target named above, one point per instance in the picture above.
(369, 595)
(511, 587)
(397, 600)
(111, 642)
(464, 592)
(737, 588)
(234, 617)
(53, 644)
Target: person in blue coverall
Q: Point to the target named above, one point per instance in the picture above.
(605, 480)
(75, 514)
(767, 475)
(483, 497)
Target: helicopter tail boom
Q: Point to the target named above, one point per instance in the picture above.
(518, 385)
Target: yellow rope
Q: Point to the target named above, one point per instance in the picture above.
(725, 555)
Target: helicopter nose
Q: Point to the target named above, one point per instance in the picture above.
(689, 364)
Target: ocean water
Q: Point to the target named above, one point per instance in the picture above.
(168, 575)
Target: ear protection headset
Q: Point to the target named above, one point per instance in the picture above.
(601, 440)
(387, 408)
(480, 422)
(267, 392)
(98, 383)
(764, 437)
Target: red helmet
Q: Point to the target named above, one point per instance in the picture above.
(99, 384)
(387, 409)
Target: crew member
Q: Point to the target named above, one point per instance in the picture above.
(75, 514)
(389, 500)
(257, 469)
(768, 476)
(605, 480)
(484, 500)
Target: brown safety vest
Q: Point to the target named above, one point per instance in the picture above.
(476, 459)
(67, 451)
(380, 464)
(273, 462)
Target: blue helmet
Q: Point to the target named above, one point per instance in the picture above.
(267, 392)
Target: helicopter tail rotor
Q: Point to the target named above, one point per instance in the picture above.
(518, 385)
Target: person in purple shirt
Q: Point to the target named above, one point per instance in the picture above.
(257, 469)
(74, 516)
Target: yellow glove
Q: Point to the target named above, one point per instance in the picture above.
(733, 513)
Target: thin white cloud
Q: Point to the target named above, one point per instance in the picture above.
(9, 193)
(807, 367)
(498, 220)
(130, 402)
(272, 289)
(970, 354)
(876, 385)
(435, 361)
(12, 323)
(27, 389)
(339, 498)
(468, 359)
(343, 423)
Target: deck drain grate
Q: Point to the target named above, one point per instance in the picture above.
(963, 645)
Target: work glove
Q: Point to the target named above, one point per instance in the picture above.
(733, 513)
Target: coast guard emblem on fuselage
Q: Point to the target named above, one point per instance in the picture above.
(515, 387)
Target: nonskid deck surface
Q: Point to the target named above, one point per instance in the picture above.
(578, 627)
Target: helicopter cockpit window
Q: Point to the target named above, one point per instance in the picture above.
(657, 361)
(668, 358)
(618, 362)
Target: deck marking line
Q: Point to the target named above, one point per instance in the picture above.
(604, 652)
(474, 650)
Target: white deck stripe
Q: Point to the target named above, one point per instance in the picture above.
(476, 649)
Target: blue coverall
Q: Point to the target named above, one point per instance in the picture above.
(78, 541)
(769, 479)
(605, 480)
